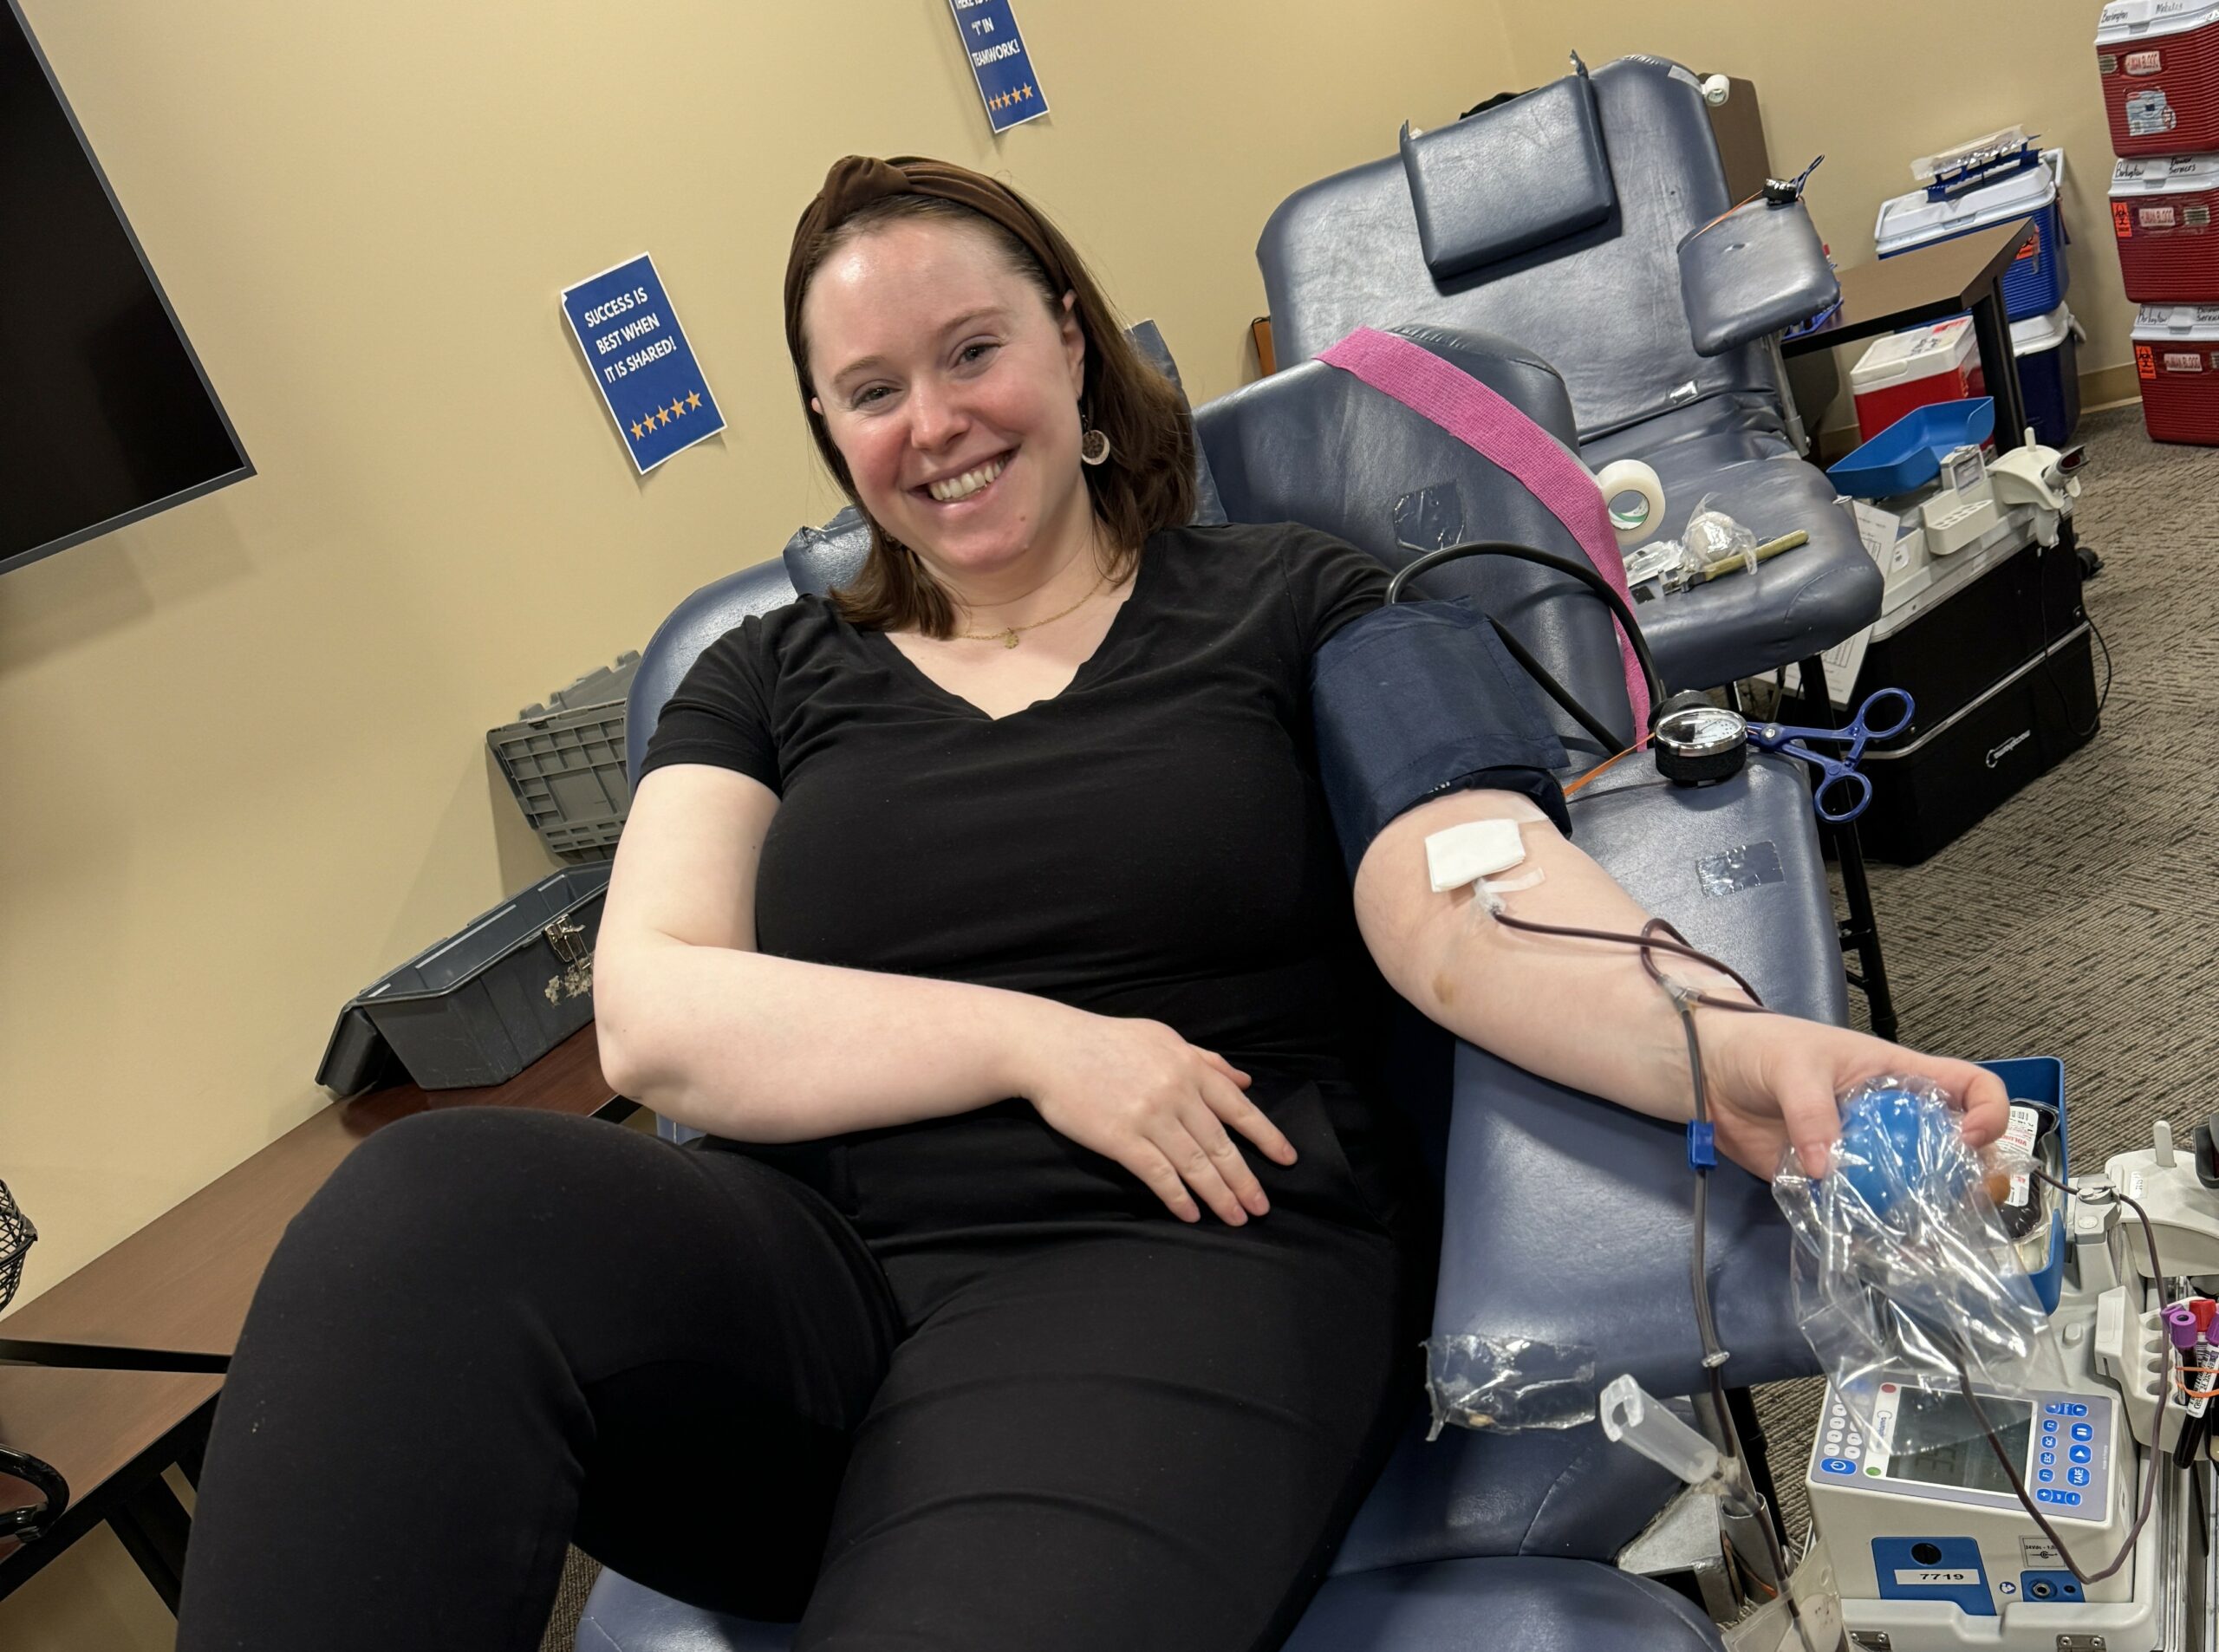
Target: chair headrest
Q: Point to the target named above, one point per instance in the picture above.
(1509, 177)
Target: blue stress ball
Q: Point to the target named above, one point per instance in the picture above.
(1900, 1147)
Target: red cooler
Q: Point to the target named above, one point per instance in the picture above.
(1907, 370)
(2177, 362)
(2162, 214)
(2160, 61)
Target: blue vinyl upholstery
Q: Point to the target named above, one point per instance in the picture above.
(1601, 305)
(1473, 211)
(1605, 306)
(1756, 271)
(1485, 1540)
(1316, 445)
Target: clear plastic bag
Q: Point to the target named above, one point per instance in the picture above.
(1902, 1272)
(1712, 536)
(1711, 545)
(1660, 559)
(1507, 1384)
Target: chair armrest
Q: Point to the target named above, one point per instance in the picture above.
(1757, 269)
(1568, 1219)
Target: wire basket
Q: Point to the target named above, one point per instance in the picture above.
(16, 1234)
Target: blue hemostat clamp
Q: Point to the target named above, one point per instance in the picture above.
(1849, 790)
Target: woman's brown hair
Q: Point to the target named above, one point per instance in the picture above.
(1149, 482)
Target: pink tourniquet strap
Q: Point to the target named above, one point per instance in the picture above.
(1445, 394)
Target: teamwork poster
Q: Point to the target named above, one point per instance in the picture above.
(638, 357)
(999, 64)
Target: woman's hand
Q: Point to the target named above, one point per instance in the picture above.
(1136, 1092)
(1774, 1078)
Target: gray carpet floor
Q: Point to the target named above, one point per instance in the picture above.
(2080, 919)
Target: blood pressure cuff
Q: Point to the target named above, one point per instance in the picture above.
(1420, 698)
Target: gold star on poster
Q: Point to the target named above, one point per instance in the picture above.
(660, 415)
(693, 399)
(636, 431)
(1025, 91)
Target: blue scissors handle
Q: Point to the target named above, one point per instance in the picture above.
(1842, 794)
(1861, 727)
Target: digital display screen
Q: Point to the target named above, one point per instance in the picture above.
(1939, 1441)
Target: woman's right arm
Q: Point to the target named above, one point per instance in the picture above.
(698, 1025)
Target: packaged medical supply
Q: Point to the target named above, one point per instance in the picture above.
(1903, 1277)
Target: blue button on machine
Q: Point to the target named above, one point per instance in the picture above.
(1837, 1466)
(2076, 1409)
(2080, 1453)
(2082, 1431)
(2048, 1457)
(2046, 1475)
(2049, 1424)
(2054, 1409)
(2047, 1497)
(2078, 1476)
(2071, 1498)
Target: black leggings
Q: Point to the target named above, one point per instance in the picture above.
(973, 1388)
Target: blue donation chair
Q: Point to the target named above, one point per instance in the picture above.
(1557, 220)
(1567, 1217)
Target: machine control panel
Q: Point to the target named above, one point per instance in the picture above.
(1931, 1446)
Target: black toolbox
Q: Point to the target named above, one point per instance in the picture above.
(483, 1004)
(1997, 658)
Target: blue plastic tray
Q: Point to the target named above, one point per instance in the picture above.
(1908, 453)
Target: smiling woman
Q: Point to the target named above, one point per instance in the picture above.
(969, 328)
(1051, 1270)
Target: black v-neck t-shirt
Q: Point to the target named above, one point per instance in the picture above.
(1151, 841)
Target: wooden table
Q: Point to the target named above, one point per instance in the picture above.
(110, 1433)
(118, 1365)
(1930, 284)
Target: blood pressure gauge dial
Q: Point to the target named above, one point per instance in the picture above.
(1698, 744)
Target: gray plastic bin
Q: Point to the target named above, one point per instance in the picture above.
(565, 762)
(483, 1005)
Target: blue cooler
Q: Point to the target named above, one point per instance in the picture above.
(2035, 284)
(2049, 373)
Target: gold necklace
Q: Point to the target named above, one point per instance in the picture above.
(1008, 635)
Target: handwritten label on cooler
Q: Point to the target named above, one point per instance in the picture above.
(999, 62)
(640, 361)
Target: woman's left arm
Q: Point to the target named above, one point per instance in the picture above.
(1586, 1014)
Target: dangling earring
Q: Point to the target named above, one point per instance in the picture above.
(1093, 443)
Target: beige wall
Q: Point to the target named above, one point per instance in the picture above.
(245, 739)
(1872, 88)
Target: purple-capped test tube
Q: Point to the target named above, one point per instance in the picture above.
(2180, 1326)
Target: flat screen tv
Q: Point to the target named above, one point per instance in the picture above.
(105, 413)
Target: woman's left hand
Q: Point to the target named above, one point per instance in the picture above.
(1774, 1079)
